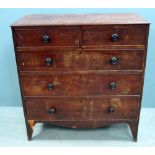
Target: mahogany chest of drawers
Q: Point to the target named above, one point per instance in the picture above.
(81, 71)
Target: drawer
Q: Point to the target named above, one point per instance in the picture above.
(81, 60)
(47, 36)
(115, 108)
(46, 109)
(80, 84)
(107, 108)
(113, 35)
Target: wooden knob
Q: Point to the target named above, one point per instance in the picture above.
(50, 86)
(52, 110)
(49, 61)
(111, 109)
(46, 38)
(114, 60)
(112, 85)
(114, 37)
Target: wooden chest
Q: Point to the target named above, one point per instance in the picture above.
(81, 71)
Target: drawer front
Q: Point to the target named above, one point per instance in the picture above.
(107, 108)
(81, 60)
(49, 36)
(78, 84)
(46, 109)
(113, 35)
(116, 108)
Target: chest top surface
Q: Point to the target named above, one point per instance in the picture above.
(79, 19)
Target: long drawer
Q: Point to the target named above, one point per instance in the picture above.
(80, 84)
(106, 108)
(81, 60)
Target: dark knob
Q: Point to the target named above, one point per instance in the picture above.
(52, 110)
(112, 85)
(115, 37)
(49, 61)
(46, 38)
(111, 109)
(113, 60)
(50, 86)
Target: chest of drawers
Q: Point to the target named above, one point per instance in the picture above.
(81, 71)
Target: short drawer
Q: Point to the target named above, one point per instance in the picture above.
(113, 35)
(47, 36)
(107, 108)
(57, 109)
(81, 60)
(80, 85)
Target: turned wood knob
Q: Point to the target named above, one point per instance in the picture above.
(111, 109)
(52, 110)
(50, 86)
(114, 37)
(112, 85)
(46, 38)
(49, 61)
(114, 60)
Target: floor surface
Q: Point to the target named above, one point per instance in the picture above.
(13, 132)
